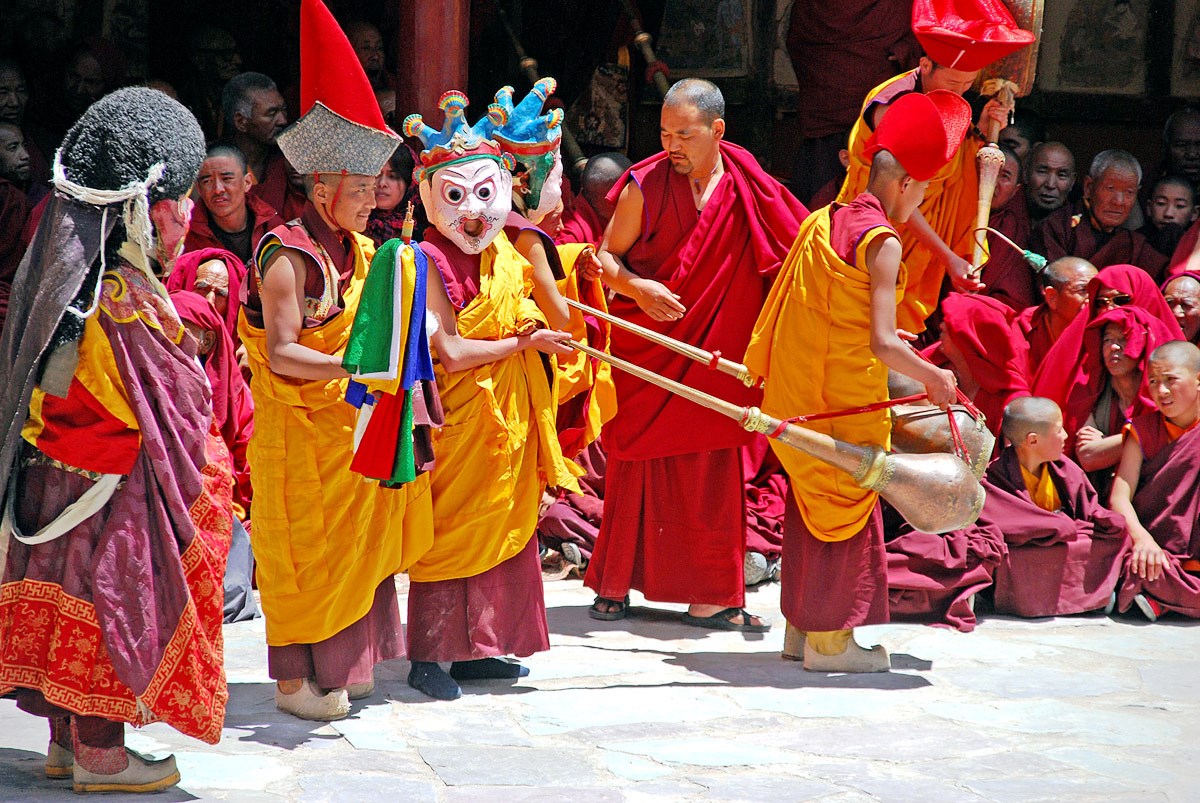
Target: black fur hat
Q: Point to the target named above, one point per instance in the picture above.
(124, 134)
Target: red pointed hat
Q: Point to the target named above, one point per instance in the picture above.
(923, 131)
(342, 128)
(967, 35)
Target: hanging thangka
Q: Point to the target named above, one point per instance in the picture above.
(701, 38)
(600, 115)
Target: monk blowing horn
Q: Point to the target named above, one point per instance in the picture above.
(935, 493)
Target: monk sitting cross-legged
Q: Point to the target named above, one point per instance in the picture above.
(823, 343)
(1157, 489)
(1065, 549)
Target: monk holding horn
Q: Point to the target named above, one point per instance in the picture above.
(824, 342)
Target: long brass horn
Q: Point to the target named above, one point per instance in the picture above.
(935, 493)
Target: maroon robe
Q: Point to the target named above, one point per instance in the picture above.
(1057, 563)
(14, 210)
(1007, 276)
(1034, 323)
(1167, 502)
(575, 519)
(201, 234)
(275, 188)
(581, 224)
(766, 487)
(1069, 232)
(658, 535)
(501, 611)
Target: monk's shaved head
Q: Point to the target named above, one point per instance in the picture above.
(1029, 414)
(1177, 354)
(600, 174)
(704, 95)
(1065, 270)
(886, 167)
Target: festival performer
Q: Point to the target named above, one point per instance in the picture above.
(960, 38)
(327, 541)
(586, 396)
(117, 494)
(1157, 490)
(824, 342)
(476, 594)
(698, 232)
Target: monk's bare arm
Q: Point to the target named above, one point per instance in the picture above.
(458, 353)
(957, 268)
(545, 291)
(1094, 450)
(883, 256)
(1147, 558)
(622, 233)
(283, 317)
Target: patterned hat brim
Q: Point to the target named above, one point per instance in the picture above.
(323, 141)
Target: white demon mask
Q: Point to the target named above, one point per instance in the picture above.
(469, 201)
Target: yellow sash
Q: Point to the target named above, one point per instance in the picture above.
(324, 537)
(812, 346)
(498, 449)
(949, 208)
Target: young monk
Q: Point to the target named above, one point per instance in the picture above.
(1157, 489)
(825, 341)
(1065, 549)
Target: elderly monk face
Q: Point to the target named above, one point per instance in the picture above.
(267, 118)
(1172, 203)
(1111, 196)
(1007, 183)
(1183, 297)
(1174, 389)
(83, 82)
(691, 142)
(347, 199)
(14, 94)
(14, 158)
(222, 185)
(212, 282)
(1116, 361)
(205, 340)
(934, 76)
(1183, 146)
(368, 46)
(1051, 177)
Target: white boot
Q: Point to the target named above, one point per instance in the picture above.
(142, 775)
(853, 659)
(358, 691)
(310, 703)
(59, 761)
(793, 643)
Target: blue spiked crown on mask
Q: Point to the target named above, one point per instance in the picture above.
(531, 137)
(458, 141)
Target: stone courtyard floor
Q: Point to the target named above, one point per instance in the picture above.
(1084, 708)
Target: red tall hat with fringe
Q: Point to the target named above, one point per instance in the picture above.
(967, 35)
(342, 128)
(923, 131)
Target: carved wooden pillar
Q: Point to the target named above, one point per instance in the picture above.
(434, 37)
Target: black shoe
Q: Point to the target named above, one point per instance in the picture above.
(430, 679)
(487, 669)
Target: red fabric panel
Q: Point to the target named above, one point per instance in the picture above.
(80, 431)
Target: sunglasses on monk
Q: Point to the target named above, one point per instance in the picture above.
(1116, 301)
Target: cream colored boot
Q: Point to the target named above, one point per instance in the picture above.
(142, 775)
(60, 761)
(310, 703)
(821, 654)
(793, 643)
(358, 691)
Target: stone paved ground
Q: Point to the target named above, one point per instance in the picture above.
(1073, 709)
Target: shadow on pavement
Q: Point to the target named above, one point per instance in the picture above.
(22, 778)
(654, 623)
(251, 709)
(762, 669)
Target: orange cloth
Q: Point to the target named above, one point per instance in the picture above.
(949, 208)
(498, 448)
(812, 346)
(1041, 489)
(324, 537)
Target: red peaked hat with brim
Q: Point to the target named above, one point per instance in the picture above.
(967, 35)
(342, 129)
(923, 131)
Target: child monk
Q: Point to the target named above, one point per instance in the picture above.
(1157, 489)
(825, 342)
(1065, 549)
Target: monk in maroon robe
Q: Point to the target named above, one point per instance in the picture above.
(572, 522)
(216, 274)
(1094, 229)
(14, 209)
(1157, 489)
(1006, 275)
(1064, 285)
(698, 231)
(589, 213)
(1065, 549)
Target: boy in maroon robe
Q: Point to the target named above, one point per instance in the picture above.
(698, 231)
(1065, 549)
(1157, 489)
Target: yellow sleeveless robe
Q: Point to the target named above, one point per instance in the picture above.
(324, 537)
(498, 449)
(812, 346)
(949, 208)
